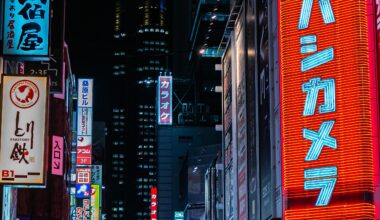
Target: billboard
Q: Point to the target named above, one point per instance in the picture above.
(83, 175)
(26, 29)
(83, 191)
(84, 121)
(95, 202)
(241, 116)
(82, 210)
(23, 130)
(57, 155)
(164, 107)
(153, 203)
(329, 109)
(228, 143)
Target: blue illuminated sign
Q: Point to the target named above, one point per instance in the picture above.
(323, 178)
(83, 191)
(26, 27)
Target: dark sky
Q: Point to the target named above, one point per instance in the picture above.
(88, 35)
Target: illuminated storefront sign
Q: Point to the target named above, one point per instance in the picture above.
(95, 202)
(23, 130)
(83, 175)
(26, 27)
(84, 122)
(153, 203)
(327, 108)
(164, 106)
(83, 191)
(57, 155)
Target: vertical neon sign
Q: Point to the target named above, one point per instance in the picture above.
(328, 109)
(164, 90)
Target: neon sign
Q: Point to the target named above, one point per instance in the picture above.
(328, 109)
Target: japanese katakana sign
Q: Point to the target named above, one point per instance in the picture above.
(84, 122)
(26, 27)
(57, 155)
(164, 97)
(329, 109)
(23, 130)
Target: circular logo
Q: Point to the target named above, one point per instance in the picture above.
(24, 94)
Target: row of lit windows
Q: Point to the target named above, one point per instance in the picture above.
(164, 50)
(153, 30)
(119, 176)
(118, 209)
(118, 117)
(115, 162)
(146, 180)
(145, 147)
(146, 126)
(145, 166)
(118, 168)
(121, 123)
(140, 69)
(118, 156)
(143, 186)
(117, 73)
(118, 129)
(146, 120)
(118, 143)
(146, 113)
(145, 153)
(142, 214)
(116, 110)
(119, 53)
(162, 43)
(146, 106)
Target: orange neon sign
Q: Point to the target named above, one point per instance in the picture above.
(329, 109)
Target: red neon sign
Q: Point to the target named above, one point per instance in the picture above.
(153, 203)
(329, 109)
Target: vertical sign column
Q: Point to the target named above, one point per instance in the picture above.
(328, 109)
(84, 148)
(84, 122)
(153, 203)
(164, 97)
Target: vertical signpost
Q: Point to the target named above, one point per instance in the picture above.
(329, 109)
(164, 97)
(84, 149)
(153, 203)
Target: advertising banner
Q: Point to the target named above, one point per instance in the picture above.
(95, 202)
(83, 175)
(57, 156)
(84, 121)
(329, 109)
(164, 107)
(153, 203)
(82, 210)
(227, 134)
(26, 29)
(83, 191)
(23, 130)
(241, 116)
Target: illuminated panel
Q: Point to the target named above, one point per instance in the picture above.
(328, 109)
(153, 203)
(164, 97)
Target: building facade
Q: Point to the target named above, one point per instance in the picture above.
(140, 52)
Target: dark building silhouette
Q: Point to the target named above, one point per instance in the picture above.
(140, 55)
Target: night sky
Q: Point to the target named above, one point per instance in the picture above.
(89, 35)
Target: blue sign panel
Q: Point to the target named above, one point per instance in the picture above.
(83, 191)
(26, 27)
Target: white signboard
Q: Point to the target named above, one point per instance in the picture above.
(85, 92)
(23, 130)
